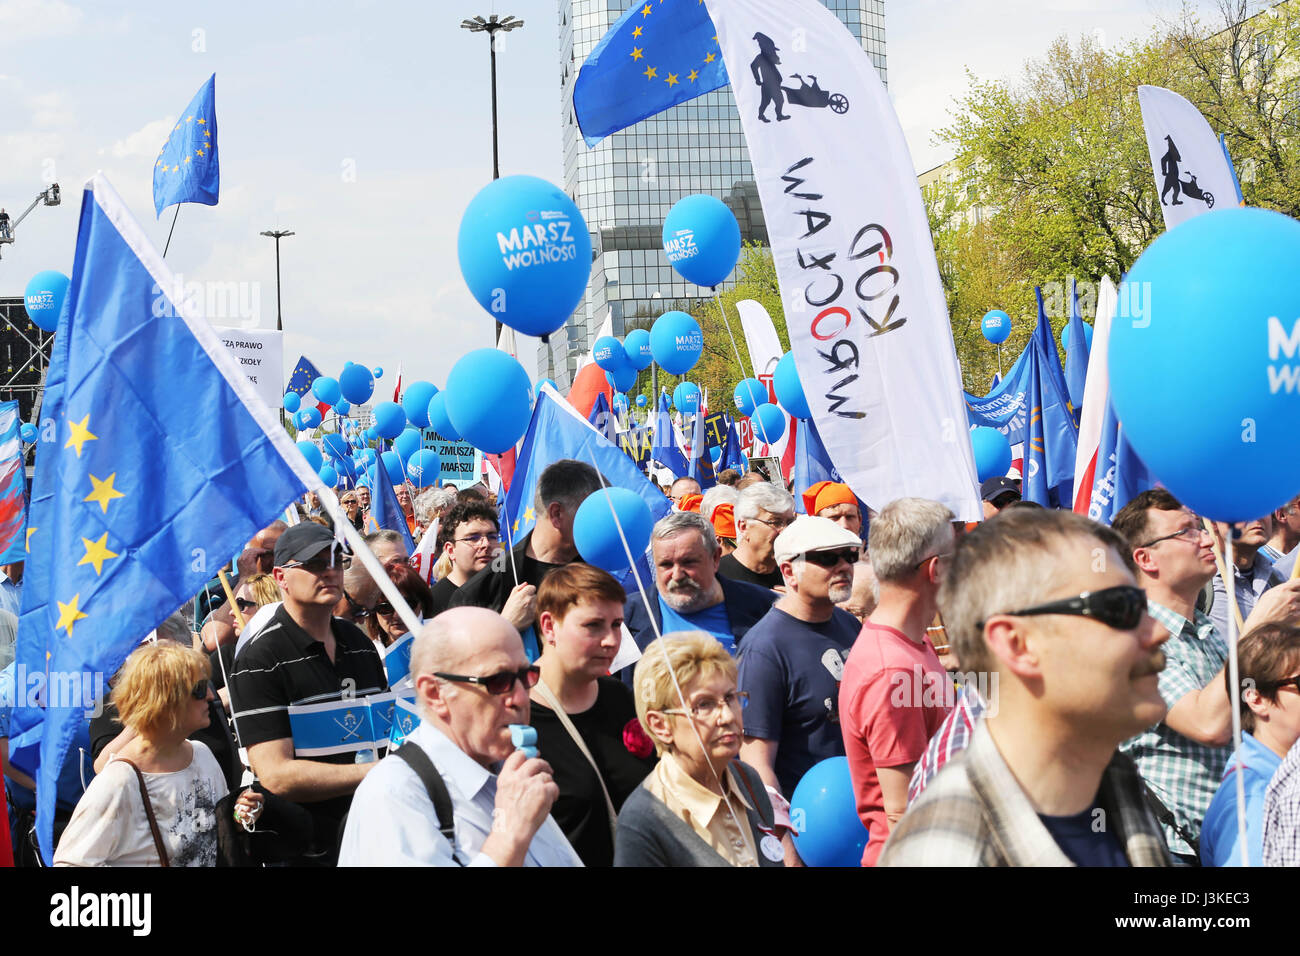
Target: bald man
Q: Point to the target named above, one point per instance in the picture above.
(471, 683)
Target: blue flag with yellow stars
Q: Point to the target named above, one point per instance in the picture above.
(659, 53)
(187, 168)
(156, 461)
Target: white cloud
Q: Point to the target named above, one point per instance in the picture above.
(23, 20)
(51, 111)
(144, 142)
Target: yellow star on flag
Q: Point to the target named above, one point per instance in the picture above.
(189, 119)
(710, 58)
(516, 527)
(647, 10)
(97, 553)
(649, 72)
(30, 532)
(198, 152)
(204, 121)
(672, 79)
(80, 433)
(69, 614)
(529, 513)
(692, 75)
(636, 32)
(187, 159)
(636, 53)
(104, 491)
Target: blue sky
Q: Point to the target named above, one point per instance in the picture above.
(364, 127)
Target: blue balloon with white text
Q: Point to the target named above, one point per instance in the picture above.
(676, 342)
(43, 298)
(701, 239)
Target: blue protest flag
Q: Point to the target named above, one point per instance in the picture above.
(701, 464)
(1003, 407)
(1120, 476)
(659, 53)
(397, 660)
(304, 373)
(385, 512)
(1051, 440)
(1051, 370)
(732, 456)
(13, 487)
(811, 462)
(335, 727)
(665, 449)
(135, 499)
(405, 719)
(1076, 356)
(187, 169)
(382, 710)
(602, 419)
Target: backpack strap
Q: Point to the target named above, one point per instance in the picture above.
(436, 787)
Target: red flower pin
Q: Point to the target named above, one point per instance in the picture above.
(636, 741)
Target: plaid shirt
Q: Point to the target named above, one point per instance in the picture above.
(1282, 813)
(975, 814)
(952, 738)
(1184, 774)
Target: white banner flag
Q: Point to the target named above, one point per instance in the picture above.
(764, 352)
(1190, 167)
(864, 306)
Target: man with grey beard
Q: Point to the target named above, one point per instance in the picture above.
(690, 594)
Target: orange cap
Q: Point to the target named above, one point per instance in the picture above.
(824, 494)
(690, 503)
(724, 520)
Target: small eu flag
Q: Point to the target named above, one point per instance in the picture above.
(187, 168)
(304, 373)
(659, 53)
(136, 501)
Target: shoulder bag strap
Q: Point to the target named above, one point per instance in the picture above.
(436, 787)
(148, 812)
(554, 704)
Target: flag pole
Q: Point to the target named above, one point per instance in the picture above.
(1234, 694)
(175, 215)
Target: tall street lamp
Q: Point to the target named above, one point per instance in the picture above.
(490, 26)
(277, 235)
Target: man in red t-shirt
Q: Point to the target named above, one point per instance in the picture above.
(895, 694)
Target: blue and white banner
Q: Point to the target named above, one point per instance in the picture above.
(405, 719)
(1003, 407)
(335, 727)
(397, 659)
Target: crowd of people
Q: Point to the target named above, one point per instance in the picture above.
(1032, 689)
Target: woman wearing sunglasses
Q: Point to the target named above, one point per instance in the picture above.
(155, 803)
(700, 806)
(384, 624)
(352, 508)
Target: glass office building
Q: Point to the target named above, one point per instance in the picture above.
(626, 184)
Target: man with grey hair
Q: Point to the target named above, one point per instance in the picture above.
(762, 512)
(471, 685)
(430, 505)
(718, 494)
(690, 594)
(509, 584)
(893, 696)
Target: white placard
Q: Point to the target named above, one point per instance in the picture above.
(259, 353)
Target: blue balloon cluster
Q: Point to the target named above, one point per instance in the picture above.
(390, 419)
(423, 468)
(1087, 336)
(769, 423)
(438, 419)
(415, 402)
(357, 384)
(608, 353)
(642, 401)
(750, 393)
(326, 389)
(312, 454)
(596, 535)
(676, 342)
(622, 378)
(27, 432)
(701, 239)
(292, 402)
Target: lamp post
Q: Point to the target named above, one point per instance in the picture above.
(490, 26)
(277, 235)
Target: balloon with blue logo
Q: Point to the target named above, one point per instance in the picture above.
(996, 326)
(701, 239)
(326, 389)
(43, 298)
(408, 442)
(312, 454)
(608, 353)
(769, 423)
(622, 378)
(292, 402)
(676, 342)
(379, 372)
(829, 831)
(415, 402)
(636, 345)
(750, 393)
(620, 403)
(1087, 336)
(328, 475)
(596, 535)
(525, 253)
(393, 467)
(357, 384)
(642, 401)
(1215, 348)
(788, 388)
(490, 400)
(992, 452)
(546, 381)
(27, 432)
(310, 417)
(423, 468)
(390, 419)
(438, 419)
(686, 398)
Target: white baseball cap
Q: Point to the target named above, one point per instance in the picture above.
(811, 533)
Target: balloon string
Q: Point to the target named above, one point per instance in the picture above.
(1234, 694)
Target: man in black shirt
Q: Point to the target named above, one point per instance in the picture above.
(509, 584)
(470, 536)
(304, 656)
(763, 512)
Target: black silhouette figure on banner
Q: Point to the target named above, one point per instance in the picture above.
(1188, 187)
(768, 77)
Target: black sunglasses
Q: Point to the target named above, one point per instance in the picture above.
(828, 559)
(322, 563)
(200, 690)
(246, 605)
(1120, 607)
(359, 611)
(502, 683)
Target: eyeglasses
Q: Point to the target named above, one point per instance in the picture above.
(828, 559)
(779, 525)
(246, 605)
(941, 556)
(319, 565)
(359, 611)
(1192, 535)
(502, 683)
(1119, 607)
(200, 690)
(1287, 682)
(708, 708)
(349, 501)
(474, 540)
(383, 607)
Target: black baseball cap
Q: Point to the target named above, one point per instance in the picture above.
(302, 542)
(995, 488)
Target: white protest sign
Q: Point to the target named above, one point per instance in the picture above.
(259, 353)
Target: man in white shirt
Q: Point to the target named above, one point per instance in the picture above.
(471, 683)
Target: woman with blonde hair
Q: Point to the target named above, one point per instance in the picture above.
(155, 803)
(701, 806)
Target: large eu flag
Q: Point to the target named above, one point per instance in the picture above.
(138, 496)
(659, 53)
(187, 169)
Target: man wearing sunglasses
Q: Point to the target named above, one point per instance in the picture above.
(471, 684)
(304, 656)
(793, 659)
(1045, 603)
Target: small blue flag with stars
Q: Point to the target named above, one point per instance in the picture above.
(659, 53)
(136, 500)
(187, 168)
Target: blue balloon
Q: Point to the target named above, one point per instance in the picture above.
(438, 419)
(326, 389)
(992, 452)
(788, 388)
(622, 378)
(292, 402)
(44, 297)
(750, 393)
(491, 400)
(686, 398)
(393, 467)
(328, 475)
(379, 372)
(1213, 348)
(343, 407)
(312, 454)
(310, 417)
(357, 384)
(423, 468)
(28, 432)
(715, 453)
(336, 446)
(546, 381)
(620, 402)
(345, 467)
(996, 325)
(701, 239)
(830, 832)
(676, 342)
(636, 344)
(1087, 336)
(408, 442)
(608, 353)
(525, 253)
(415, 401)
(596, 536)
(769, 423)
(390, 419)
(642, 401)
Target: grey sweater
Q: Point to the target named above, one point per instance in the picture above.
(649, 834)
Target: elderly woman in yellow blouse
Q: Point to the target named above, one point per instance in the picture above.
(700, 806)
